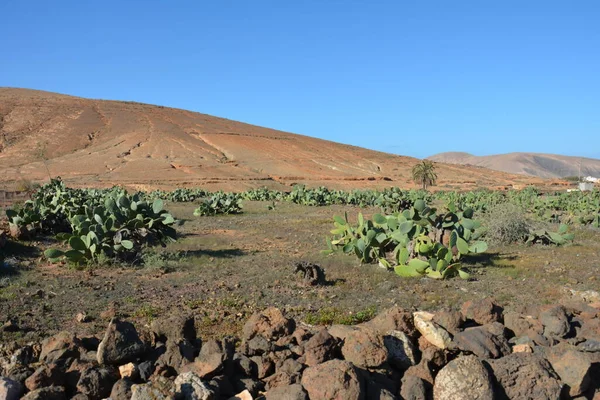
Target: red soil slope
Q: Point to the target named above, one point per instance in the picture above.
(101, 143)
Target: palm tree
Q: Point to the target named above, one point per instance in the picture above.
(424, 173)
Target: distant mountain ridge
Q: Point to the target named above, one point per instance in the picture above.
(532, 164)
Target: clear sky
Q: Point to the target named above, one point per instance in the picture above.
(408, 77)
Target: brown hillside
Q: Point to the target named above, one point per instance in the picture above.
(101, 143)
(532, 164)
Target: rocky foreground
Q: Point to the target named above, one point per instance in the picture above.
(477, 352)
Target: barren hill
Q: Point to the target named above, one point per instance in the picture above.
(101, 143)
(533, 164)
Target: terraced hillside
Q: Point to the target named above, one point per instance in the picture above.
(101, 143)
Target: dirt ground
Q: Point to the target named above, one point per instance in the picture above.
(224, 268)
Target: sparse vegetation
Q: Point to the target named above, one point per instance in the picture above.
(506, 223)
(332, 315)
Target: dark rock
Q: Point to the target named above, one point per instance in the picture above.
(320, 348)
(60, 347)
(516, 372)
(392, 319)
(290, 366)
(311, 274)
(289, 392)
(245, 366)
(178, 353)
(257, 346)
(146, 370)
(96, 382)
(19, 373)
(73, 373)
(121, 390)
(365, 348)
(222, 387)
(252, 385)
(281, 378)
(482, 311)
(24, 356)
(377, 392)
(555, 321)
(10, 326)
(175, 328)
(45, 375)
(435, 358)
(9, 389)
(285, 341)
(90, 343)
(210, 361)
(381, 378)
(121, 344)
(464, 378)
(334, 379)
(46, 393)
(302, 334)
(450, 320)
(413, 388)
(422, 371)
(270, 324)
(265, 366)
(482, 343)
(496, 329)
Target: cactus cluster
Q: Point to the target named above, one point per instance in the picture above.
(559, 207)
(220, 203)
(546, 237)
(120, 227)
(92, 222)
(418, 241)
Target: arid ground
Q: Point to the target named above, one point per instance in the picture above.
(226, 267)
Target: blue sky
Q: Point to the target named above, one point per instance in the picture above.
(409, 77)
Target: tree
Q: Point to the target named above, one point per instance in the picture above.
(424, 174)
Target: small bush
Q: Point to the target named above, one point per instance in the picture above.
(506, 223)
(162, 261)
